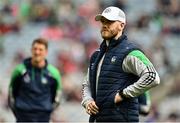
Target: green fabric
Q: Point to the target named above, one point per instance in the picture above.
(140, 56)
(55, 73)
(17, 71)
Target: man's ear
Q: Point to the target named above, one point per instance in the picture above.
(46, 52)
(122, 25)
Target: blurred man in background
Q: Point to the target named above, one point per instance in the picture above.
(35, 86)
(118, 73)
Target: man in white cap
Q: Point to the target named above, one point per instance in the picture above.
(118, 73)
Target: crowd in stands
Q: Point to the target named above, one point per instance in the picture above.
(73, 35)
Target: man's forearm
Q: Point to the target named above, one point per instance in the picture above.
(148, 80)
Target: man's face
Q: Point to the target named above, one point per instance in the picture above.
(110, 29)
(39, 52)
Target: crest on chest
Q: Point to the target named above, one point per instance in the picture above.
(113, 59)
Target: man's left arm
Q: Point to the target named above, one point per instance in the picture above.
(144, 103)
(137, 63)
(57, 90)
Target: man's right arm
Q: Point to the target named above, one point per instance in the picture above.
(88, 102)
(14, 83)
(86, 94)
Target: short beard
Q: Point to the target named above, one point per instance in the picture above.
(108, 38)
(112, 36)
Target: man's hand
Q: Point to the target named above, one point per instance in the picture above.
(117, 98)
(91, 108)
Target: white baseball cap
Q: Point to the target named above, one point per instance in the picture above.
(113, 14)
